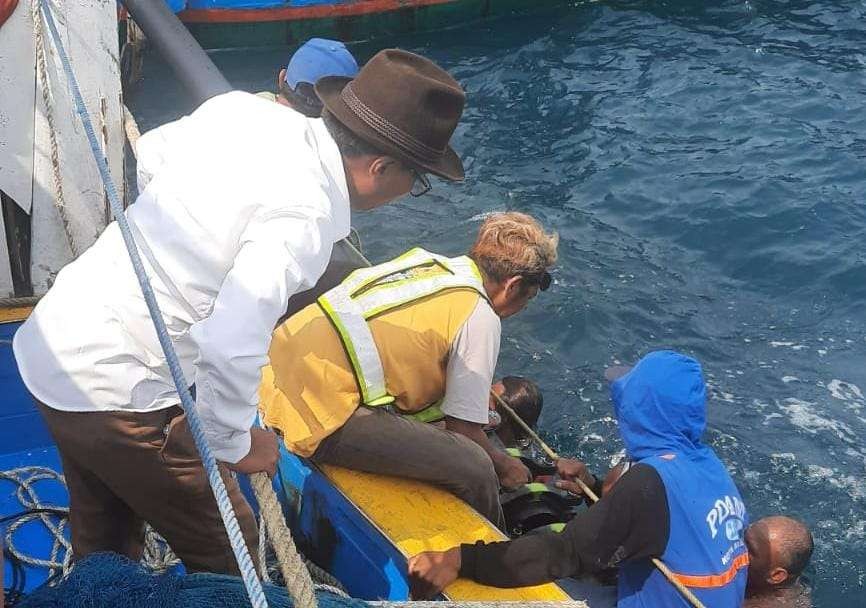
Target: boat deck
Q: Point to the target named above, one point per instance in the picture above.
(32, 538)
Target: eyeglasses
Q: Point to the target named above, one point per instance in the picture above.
(421, 185)
(542, 279)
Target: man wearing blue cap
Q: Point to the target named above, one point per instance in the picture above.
(676, 503)
(315, 59)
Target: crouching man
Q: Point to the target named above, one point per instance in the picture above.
(355, 378)
(677, 503)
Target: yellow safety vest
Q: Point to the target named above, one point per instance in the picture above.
(381, 337)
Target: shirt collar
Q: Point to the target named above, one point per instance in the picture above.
(332, 162)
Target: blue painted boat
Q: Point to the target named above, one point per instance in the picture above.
(364, 547)
(337, 516)
(246, 23)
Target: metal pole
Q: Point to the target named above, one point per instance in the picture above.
(194, 69)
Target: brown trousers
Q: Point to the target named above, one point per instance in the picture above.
(377, 441)
(126, 468)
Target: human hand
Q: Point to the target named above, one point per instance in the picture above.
(512, 473)
(430, 572)
(571, 470)
(263, 455)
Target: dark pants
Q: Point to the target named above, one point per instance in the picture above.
(125, 468)
(377, 441)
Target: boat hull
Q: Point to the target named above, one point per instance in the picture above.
(350, 21)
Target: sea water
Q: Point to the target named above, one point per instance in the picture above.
(705, 167)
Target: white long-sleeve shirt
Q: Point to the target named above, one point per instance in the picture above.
(240, 205)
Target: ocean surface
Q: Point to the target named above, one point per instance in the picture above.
(705, 167)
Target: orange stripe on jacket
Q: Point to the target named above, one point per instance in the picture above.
(710, 581)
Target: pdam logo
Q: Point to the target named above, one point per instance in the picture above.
(734, 529)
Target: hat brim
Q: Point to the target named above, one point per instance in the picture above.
(449, 166)
(612, 374)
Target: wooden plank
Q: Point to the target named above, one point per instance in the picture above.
(7, 289)
(18, 87)
(19, 313)
(89, 32)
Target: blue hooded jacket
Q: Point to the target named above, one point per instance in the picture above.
(660, 407)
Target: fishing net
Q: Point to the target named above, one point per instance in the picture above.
(108, 580)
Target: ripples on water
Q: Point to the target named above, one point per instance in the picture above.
(705, 170)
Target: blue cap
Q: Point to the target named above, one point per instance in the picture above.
(317, 58)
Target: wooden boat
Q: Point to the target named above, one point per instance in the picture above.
(359, 527)
(247, 23)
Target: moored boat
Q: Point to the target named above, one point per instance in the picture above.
(250, 23)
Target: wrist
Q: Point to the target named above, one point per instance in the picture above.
(454, 558)
(500, 460)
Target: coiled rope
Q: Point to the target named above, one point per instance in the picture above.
(245, 564)
(157, 556)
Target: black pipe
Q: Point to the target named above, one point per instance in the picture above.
(193, 68)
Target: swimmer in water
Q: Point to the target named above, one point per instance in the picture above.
(779, 550)
(525, 398)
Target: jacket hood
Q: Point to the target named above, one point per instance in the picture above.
(660, 405)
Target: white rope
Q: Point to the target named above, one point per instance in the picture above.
(296, 576)
(157, 555)
(24, 478)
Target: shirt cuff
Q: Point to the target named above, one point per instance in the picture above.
(230, 448)
(468, 559)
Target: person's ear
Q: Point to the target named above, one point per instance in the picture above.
(777, 576)
(511, 286)
(281, 78)
(381, 165)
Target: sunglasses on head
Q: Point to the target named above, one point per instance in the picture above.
(542, 279)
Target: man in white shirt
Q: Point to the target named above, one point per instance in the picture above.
(355, 378)
(240, 205)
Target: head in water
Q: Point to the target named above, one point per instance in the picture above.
(779, 550)
(525, 398)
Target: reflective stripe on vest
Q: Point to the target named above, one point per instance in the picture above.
(710, 581)
(431, 413)
(366, 293)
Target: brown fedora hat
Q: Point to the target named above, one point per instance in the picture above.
(404, 105)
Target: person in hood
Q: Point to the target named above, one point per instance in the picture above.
(676, 502)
